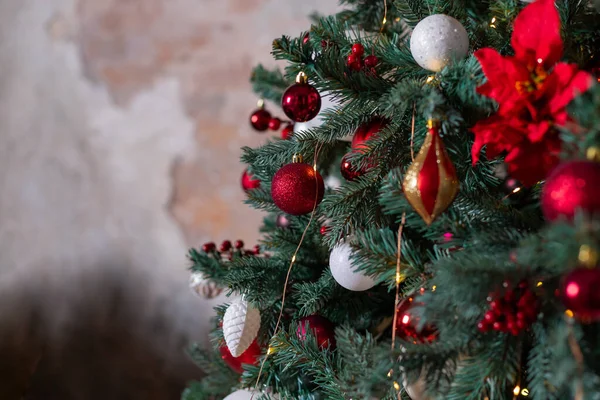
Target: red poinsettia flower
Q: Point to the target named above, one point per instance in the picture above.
(532, 90)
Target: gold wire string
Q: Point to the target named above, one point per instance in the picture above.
(578, 356)
(289, 271)
(412, 133)
(398, 279)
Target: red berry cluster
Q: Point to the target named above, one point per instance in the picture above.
(512, 312)
(355, 59)
(229, 250)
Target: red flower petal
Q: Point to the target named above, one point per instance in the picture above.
(564, 84)
(536, 35)
(498, 134)
(502, 73)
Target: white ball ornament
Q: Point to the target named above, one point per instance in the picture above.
(438, 40)
(241, 323)
(344, 272)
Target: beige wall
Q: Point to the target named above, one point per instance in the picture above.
(120, 128)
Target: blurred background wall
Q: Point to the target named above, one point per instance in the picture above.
(120, 128)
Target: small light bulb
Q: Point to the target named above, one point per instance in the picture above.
(396, 386)
(433, 288)
(269, 350)
(389, 374)
(516, 390)
(493, 20)
(430, 79)
(540, 283)
(294, 258)
(569, 313)
(384, 20)
(516, 190)
(398, 278)
(525, 392)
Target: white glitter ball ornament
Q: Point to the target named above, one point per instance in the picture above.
(437, 41)
(344, 272)
(241, 323)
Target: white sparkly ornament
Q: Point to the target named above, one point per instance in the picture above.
(344, 272)
(437, 41)
(241, 323)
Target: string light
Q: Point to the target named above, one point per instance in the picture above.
(430, 79)
(433, 288)
(569, 313)
(390, 372)
(517, 390)
(516, 190)
(540, 283)
(270, 350)
(525, 392)
(396, 385)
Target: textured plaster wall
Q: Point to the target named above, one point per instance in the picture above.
(120, 128)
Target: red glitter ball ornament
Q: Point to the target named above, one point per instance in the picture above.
(572, 186)
(287, 132)
(248, 182)
(296, 188)
(580, 294)
(260, 119)
(322, 329)
(367, 131)
(301, 102)
(406, 325)
(250, 356)
(349, 172)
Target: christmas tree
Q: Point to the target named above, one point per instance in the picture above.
(458, 257)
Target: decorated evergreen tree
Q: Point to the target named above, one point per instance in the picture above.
(458, 257)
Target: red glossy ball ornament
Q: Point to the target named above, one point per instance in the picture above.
(371, 61)
(572, 186)
(301, 102)
(239, 244)
(250, 356)
(297, 188)
(274, 124)
(322, 329)
(287, 132)
(248, 182)
(406, 325)
(260, 119)
(358, 50)
(306, 38)
(349, 172)
(367, 131)
(580, 294)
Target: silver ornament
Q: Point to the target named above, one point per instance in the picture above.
(241, 323)
(345, 273)
(437, 41)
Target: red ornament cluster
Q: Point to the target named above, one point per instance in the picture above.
(321, 328)
(580, 294)
(512, 312)
(572, 186)
(406, 325)
(248, 182)
(288, 131)
(229, 250)
(355, 59)
(261, 119)
(297, 188)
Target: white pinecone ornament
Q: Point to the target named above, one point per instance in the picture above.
(241, 323)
